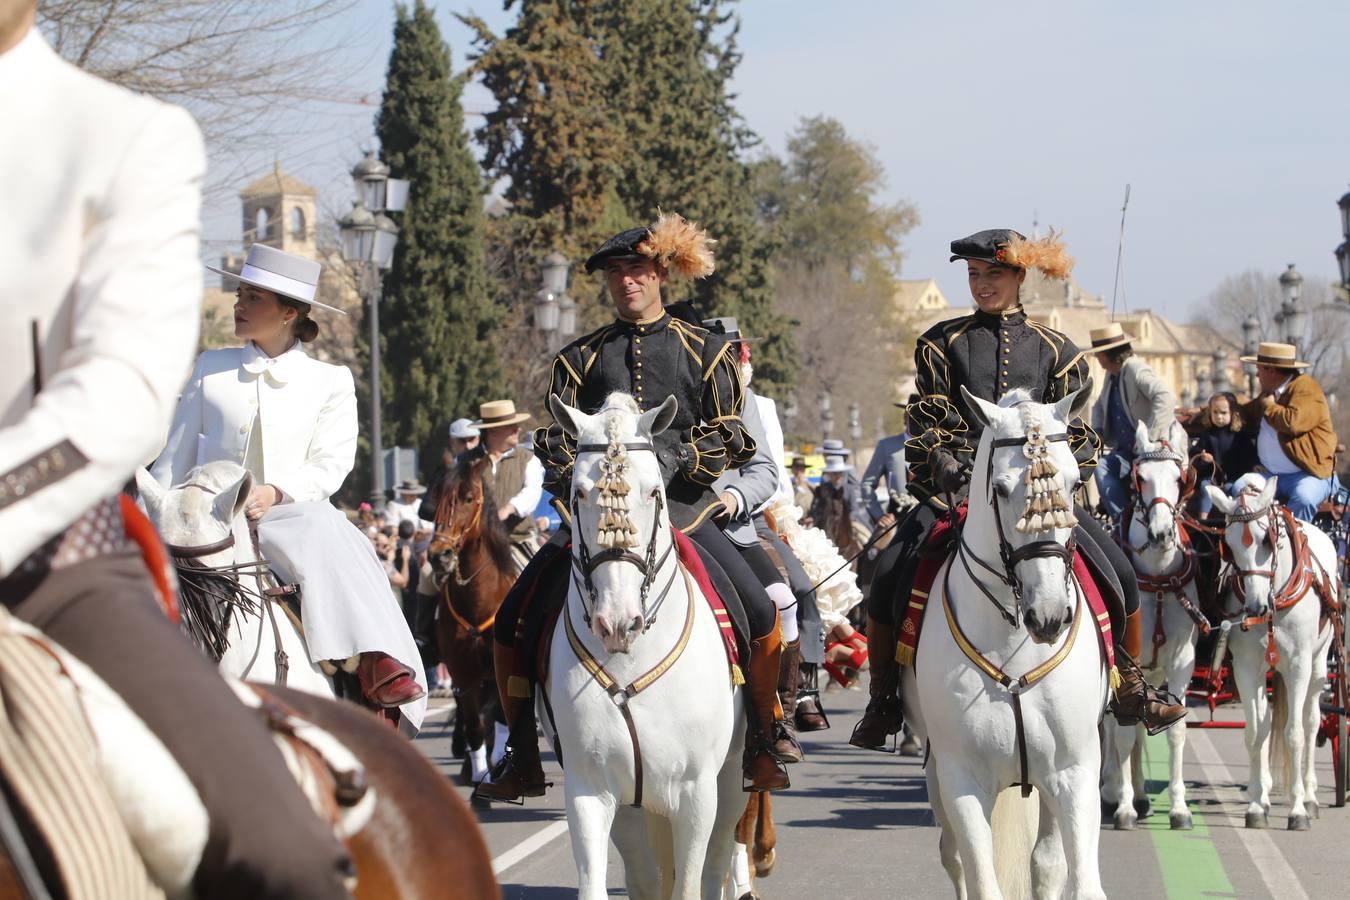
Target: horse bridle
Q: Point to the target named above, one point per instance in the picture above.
(649, 566)
(454, 541)
(185, 561)
(1009, 555)
(1139, 513)
(1273, 531)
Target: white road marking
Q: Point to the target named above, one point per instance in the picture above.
(531, 844)
(1280, 879)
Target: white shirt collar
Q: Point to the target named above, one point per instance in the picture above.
(26, 54)
(278, 369)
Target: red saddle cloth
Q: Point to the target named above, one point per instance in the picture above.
(693, 564)
(938, 547)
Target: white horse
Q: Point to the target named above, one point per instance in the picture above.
(206, 513)
(1169, 607)
(638, 648)
(1270, 586)
(1013, 569)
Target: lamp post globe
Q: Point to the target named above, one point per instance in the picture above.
(371, 177)
(357, 230)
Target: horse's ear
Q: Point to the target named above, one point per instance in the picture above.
(1140, 437)
(152, 494)
(1268, 493)
(985, 411)
(655, 421)
(1222, 502)
(1074, 405)
(568, 419)
(230, 501)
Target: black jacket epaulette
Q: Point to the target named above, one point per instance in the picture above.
(989, 354)
(651, 361)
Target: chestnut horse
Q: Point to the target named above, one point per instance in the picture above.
(471, 558)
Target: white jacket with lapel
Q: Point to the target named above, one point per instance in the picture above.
(307, 409)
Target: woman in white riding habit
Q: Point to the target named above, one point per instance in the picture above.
(291, 421)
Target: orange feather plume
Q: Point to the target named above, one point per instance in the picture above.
(1047, 254)
(681, 246)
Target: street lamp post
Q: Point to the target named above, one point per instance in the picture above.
(1201, 387)
(554, 311)
(1220, 371)
(1251, 343)
(826, 415)
(368, 241)
(790, 412)
(1291, 285)
(855, 429)
(1343, 251)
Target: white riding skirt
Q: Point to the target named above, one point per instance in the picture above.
(345, 600)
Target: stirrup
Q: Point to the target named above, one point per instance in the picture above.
(1163, 695)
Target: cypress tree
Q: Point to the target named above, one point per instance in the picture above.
(669, 65)
(437, 319)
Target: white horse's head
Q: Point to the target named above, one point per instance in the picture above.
(619, 524)
(1249, 539)
(1159, 476)
(201, 511)
(1026, 469)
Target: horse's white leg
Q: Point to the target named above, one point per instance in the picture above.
(641, 876)
(1049, 871)
(968, 806)
(951, 856)
(1141, 805)
(725, 856)
(1179, 673)
(1125, 769)
(1110, 765)
(1249, 674)
(589, 818)
(1312, 720)
(1071, 792)
(691, 827)
(1295, 737)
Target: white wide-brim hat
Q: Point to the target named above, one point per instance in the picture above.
(836, 464)
(281, 273)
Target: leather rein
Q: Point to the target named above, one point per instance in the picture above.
(1009, 555)
(185, 557)
(454, 543)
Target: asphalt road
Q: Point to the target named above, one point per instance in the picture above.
(857, 824)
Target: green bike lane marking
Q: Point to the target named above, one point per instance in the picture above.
(1189, 861)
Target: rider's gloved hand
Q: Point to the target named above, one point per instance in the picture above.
(948, 476)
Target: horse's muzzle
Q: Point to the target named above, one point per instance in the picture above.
(1047, 630)
(616, 638)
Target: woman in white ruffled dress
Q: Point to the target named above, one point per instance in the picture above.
(291, 421)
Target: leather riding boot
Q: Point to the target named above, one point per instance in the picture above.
(883, 716)
(387, 682)
(520, 773)
(809, 715)
(786, 745)
(1135, 700)
(761, 766)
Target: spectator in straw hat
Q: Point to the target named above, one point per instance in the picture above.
(515, 475)
(1295, 442)
(1133, 393)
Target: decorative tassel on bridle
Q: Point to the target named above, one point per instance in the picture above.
(1046, 506)
(617, 531)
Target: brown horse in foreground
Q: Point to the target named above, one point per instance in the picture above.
(471, 553)
(422, 838)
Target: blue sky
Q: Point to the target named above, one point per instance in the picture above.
(1229, 120)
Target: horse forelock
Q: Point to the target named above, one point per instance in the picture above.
(1015, 397)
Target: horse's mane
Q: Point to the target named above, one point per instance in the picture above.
(490, 529)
